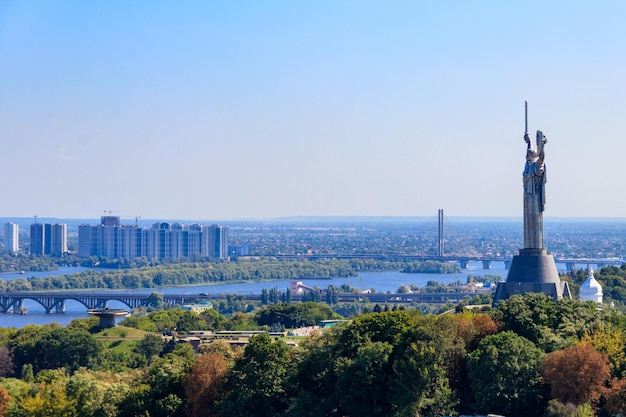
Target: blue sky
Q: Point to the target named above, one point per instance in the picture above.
(228, 110)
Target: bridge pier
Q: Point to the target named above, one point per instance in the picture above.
(570, 266)
(486, 264)
(463, 263)
(507, 264)
(58, 305)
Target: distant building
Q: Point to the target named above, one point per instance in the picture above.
(110, 220)
(48, 239)
(12, 237)
(239, 250)
(591, 290)
(57, 240)
(37, 234)
(112, 240)
(107, 316)
(86, 238)
(217, 242)
(198, 307)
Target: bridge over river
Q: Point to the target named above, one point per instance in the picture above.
(55, 300)
(462, 260)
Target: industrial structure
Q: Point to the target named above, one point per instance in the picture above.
(440, 216)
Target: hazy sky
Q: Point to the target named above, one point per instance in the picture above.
(260, 109)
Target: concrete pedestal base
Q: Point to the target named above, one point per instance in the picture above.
(533, 270)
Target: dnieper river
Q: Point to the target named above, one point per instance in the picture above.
(379, 281)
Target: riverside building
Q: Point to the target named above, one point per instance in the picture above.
(11, 237)
(110, 239)
(48, 239)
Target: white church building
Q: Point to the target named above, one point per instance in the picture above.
(591, 290)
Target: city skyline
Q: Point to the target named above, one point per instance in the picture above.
(114, 240)
(228, 111)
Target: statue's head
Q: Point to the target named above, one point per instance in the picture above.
(531, 155)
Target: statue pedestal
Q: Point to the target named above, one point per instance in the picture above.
(533, 270)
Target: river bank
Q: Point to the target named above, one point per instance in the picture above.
(388, 281)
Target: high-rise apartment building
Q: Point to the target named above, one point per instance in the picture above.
(161, 241)
(195, 239)
(11, 237)
(110, 220)
(87, 241)
(37, 240)
(218, 242)
(129, 242)
(58, 239)
(48, 239)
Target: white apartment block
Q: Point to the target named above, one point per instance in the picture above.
(161, 241)
(11, 237)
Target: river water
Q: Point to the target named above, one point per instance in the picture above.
(380, 281)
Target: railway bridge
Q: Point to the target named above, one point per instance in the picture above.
(55, 300)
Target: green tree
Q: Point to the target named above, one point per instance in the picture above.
(213, 319)
(557, 409)
(332, 295)
(161, 394)
(359, 380)
(46, 399)
(381, 364)
(155, 300)
(188, 321)
(550, 325)
(257, 383)
(532, 316)
(274, 296)
(150, 346)
(294, 315)
(65, 347)
(27, 374)
(52, 347)
(505, 375)
(21, 344)
(87, 392)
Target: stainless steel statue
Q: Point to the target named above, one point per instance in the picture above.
(533, 269)
(534, 192)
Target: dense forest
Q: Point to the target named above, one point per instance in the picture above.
(529, 357)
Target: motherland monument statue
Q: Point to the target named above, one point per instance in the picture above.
(533, 269)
